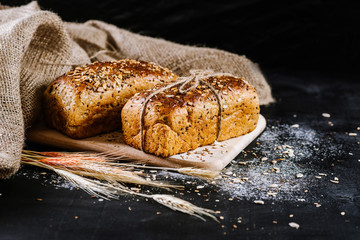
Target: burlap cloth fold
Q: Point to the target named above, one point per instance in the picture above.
(36, 46)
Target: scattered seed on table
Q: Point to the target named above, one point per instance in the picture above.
(260, 202)
(294, 225)
(299, 175)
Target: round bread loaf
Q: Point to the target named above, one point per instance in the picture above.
(88, 100)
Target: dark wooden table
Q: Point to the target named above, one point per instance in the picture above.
(33, 206)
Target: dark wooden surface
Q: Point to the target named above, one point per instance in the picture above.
(309, 52)
(308, 95)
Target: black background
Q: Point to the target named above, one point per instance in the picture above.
(309, 34)
(309, 52)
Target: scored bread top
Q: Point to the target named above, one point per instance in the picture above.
(101, 76)
(223, 84)
(88, 100)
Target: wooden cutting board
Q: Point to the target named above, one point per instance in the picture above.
(211, 157)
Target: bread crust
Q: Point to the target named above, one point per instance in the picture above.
(176, 123)
(88, 100)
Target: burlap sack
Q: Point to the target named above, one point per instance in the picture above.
(37, 46)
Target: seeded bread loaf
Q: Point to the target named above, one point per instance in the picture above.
(175, 122)
(88, 100)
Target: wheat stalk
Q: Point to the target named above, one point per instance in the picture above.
(178, 204)
(91, 187)
(91, 165)
(76, 167)
(195, 172)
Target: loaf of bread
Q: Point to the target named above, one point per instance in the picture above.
(88, 100)
(175, 122)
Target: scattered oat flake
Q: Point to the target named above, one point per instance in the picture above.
(260, 202)
(327, 115)
(334, 181)
(352, 134)
(299, 175)
(295, 126)
(294, 225)
(243, 163)
(342, 213)
(39, 199)
(289, 152)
